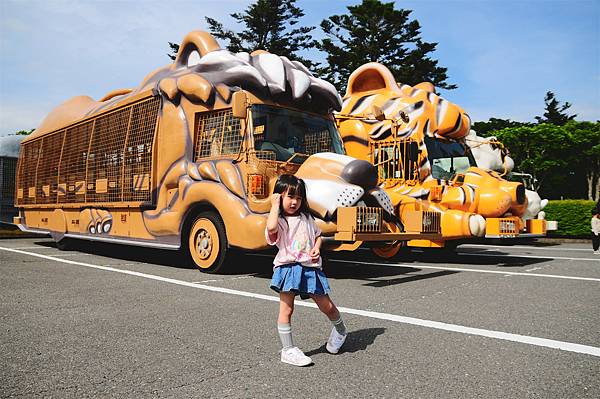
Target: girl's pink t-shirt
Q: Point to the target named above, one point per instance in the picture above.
(295, 239)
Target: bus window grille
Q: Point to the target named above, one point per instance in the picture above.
(30, 153)
(217, 134)
(137, 172)
(393, 163)
(106, 157)
(72, 174)
(47, 176)
(317, 141)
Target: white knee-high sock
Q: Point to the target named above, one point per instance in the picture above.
(339, 325)
(285, 335)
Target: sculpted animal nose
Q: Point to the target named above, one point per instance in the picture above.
(360, 173)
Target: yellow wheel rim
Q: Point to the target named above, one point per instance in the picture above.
(204, 243)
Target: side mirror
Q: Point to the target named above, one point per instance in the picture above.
(413, 151)
(239, 104)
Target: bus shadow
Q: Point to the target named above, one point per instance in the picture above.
(483, 257)
(373, 275)
(125, 252)
(336, 265)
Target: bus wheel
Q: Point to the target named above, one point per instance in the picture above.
(207, 242)
(391, 248)
(389, 251)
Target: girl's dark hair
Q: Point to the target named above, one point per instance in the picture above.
(293, 186)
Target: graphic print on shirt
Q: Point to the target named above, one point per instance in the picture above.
(300, 243)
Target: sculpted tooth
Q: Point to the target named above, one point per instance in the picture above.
(327, 90)
(243, 56)
(216, 59)
(298, 79)
(299, 83)
(242, 73)
(301, 67)
(272, 68)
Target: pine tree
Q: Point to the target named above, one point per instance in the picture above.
(555, 113)
(375, 31)
(269, 25)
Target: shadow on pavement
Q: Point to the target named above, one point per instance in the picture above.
(336, 264)
(356, 341)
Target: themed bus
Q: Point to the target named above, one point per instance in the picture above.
(416, 139)
(188, 159)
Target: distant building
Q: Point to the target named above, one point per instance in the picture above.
(9, 152)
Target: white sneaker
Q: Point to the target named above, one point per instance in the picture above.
(335, 341)
(596, 252)
(295, 356)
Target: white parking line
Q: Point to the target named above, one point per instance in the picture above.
(459, 269)
(38, 247)
(597, 259)
(548, 248)
(524, 339)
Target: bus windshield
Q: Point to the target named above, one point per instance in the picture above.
(292, 136)
(448, 158)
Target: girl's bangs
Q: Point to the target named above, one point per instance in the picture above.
(294, 189)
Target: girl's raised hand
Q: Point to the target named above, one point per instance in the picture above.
(275, 200)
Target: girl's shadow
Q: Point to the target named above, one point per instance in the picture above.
(356, 341)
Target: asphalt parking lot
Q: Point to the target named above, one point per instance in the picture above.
(102, 320)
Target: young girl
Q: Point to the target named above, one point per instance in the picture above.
(297, 266)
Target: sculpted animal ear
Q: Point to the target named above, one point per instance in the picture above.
(427, 86)
(198, 41)
(371, 76)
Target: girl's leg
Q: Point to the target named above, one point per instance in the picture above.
(338, 332)
(284, 327)
(286, 307)
(327, 306)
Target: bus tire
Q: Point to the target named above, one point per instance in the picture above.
(388, 251)
(206, 242)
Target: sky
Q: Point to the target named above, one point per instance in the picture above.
(503, 55)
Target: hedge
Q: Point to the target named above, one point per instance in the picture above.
(573, 217)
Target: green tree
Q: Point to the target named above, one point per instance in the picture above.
(375, 31)
(540, 151)
(488, 128)
(24, 132)
(269, 25)
(585, 156)
(555, 113)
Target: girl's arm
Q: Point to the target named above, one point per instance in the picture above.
(318, 243)
(315, 251)
(273, 219)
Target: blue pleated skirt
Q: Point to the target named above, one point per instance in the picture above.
(300, 280)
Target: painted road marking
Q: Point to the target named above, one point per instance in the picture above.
(459, 269)
(38, 247)
(458, 253)
(551, 248)
(524, 339)
(528, 256)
